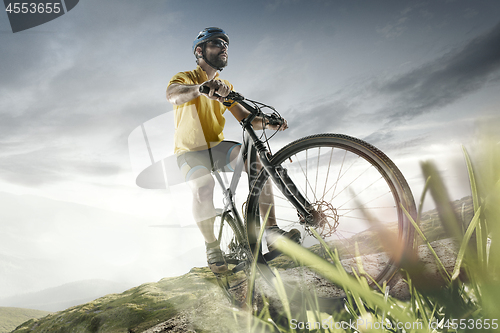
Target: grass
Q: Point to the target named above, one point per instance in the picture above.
(468, 300)
(195, 295)
(10, 318)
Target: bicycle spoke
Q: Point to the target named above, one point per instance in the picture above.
(348, 185)
(306, 178)
(339, 177)
(285, 220)
(317, 172)
(374, 199)
(359, 193)
(327, 173)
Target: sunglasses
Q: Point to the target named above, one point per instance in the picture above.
(219, 43)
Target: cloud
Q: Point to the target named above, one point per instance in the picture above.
(50, 164)
(72, 90)
(445, 80)
(393, 30)
(324, 116)
(378, 109)
(383, 102)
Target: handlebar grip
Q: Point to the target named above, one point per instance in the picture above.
(273, 120)
(204, 89)
(233, 95)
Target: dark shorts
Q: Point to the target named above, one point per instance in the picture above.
(219, 155)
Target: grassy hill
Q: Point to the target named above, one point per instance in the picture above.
(195, 296)
(10, 318)
(64, 296)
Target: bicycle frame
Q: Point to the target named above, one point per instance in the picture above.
(229, 193)
(252, 146)
(245, 235)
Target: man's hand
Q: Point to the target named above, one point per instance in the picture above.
(281, 127)
(218, 90)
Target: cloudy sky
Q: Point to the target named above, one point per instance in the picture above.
(414, 78)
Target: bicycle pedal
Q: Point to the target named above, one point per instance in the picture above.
(238, 268)
(232, 261)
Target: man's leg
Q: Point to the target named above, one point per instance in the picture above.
(266, 205)
(202, 188)
(266, 199)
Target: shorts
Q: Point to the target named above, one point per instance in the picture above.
(217, 158)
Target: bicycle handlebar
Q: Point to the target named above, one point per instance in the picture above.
(233, 95)
(272, 119)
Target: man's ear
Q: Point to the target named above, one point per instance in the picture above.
(199, 52)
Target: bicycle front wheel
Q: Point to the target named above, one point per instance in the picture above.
(356, 190)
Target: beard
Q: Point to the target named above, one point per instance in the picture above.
(217, 60)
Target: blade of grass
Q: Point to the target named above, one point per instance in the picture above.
(441, 198)
(419, 212)
(472, 180)
(481, 233)
(442, 269)
(280, 289)
(465, 242)
(337, 276)
(421, 308)
(358, 300)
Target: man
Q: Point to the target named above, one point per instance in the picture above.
(199, 144)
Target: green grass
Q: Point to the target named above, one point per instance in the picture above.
(10, 318)
(467, 301)
(429, 224)
(195, 294)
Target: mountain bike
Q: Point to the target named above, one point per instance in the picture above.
(329, 186)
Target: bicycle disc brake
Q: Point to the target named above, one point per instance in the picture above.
(325, 219)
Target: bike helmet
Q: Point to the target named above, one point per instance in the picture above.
(209, 34)
(206, 35)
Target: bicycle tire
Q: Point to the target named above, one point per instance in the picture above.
(344, 166)
(236, 252)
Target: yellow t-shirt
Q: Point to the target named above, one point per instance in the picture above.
(199, 122)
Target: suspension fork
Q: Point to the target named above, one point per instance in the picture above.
(280, 177)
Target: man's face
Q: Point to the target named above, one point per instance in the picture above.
(216, 52)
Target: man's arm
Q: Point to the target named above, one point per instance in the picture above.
(178, 94)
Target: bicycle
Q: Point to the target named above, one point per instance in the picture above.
(326, 182)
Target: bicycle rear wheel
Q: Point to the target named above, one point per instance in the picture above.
(237, 255)
(356, 189)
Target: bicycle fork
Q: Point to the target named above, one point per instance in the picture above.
(280, 177)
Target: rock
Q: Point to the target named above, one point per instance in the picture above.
(177, 324)
(446, 250)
